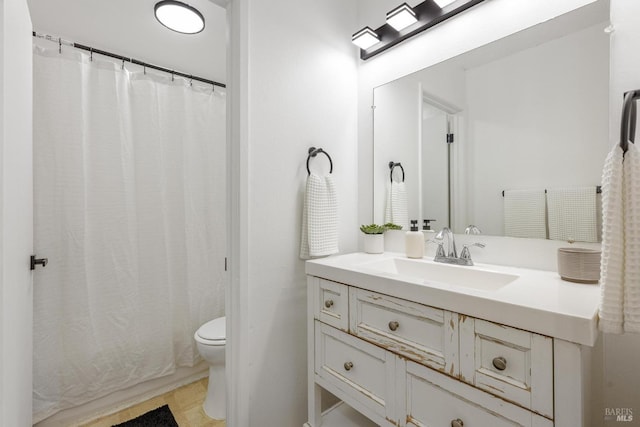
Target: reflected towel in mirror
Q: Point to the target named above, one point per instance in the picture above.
(524, 214)
(396, 210)
(572, 214)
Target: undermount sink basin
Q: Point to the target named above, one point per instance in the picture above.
(428, 271)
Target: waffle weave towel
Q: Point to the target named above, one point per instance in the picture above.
(396, 210)
(524, 214)
(572, 214)
(612, 260)
(319, 218)
(631, 206)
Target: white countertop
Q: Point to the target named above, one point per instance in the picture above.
(537, 301)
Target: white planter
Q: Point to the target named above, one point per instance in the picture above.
(394, 240)
(374, 243)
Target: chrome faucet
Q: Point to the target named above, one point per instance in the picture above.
(451, 254)
(451, 242)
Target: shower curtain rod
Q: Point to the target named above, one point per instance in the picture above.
(61, 42)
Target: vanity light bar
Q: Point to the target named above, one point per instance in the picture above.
(365, 38)
(427, 14)
(401, 17)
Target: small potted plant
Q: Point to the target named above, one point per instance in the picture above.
(392, 226)
(373, 238)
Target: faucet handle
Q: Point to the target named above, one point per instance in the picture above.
(466, 253)
(440, 243)
(472, 229)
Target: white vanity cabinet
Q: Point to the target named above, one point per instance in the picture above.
(405, 363)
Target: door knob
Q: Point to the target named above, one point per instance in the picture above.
(348, 366)
(328, 303)
(393, 325)
(457, 423)
(38, 261)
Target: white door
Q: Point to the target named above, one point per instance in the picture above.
(16, 214)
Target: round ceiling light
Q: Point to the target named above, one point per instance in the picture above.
(180, 17)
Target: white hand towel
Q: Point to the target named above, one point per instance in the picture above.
(572, 214)
(631, 217)
(612, 259)
(399, 210)
(319, 218)
(524, 214)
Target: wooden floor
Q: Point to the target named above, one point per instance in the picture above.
(185, 404)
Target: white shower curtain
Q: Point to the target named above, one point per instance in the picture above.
(129, 180)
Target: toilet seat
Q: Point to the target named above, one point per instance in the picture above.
(213, 332)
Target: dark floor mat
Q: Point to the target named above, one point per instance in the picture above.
(159, 417)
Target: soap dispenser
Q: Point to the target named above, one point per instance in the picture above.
(414, 241)
(429, 234)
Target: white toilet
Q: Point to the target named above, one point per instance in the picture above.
(211, 340)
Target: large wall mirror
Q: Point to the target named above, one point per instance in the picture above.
(528, 114)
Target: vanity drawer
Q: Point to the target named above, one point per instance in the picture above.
(418, 332)
(513, 364)
(332, 303)
(359, 370)
(433, 399)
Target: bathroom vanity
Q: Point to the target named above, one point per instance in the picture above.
(416, 343)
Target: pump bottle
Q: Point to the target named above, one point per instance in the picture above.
(414, 241)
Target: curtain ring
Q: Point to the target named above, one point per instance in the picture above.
(59, 45)
(144, 69)
(172, 76)
(123, 63)
(91, 54)
(190, 80)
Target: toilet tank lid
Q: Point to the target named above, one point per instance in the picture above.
(213, 330)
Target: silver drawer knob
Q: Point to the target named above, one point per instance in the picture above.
(500, 363)
(393, 325)
(348, 366)
(328, 303)
(457, 423)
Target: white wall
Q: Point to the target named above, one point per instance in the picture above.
(536, 119)
(16, 214)
(621, 373)
(293, 85)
